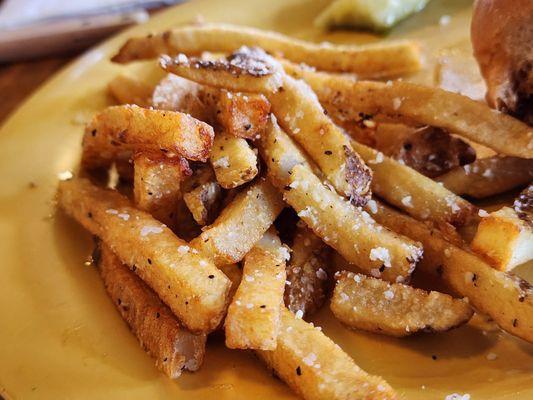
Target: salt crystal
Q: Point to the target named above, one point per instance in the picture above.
(492, 356)
(381, 254)
(407, 201)
(146, 230)
(299, 314)
(389, 294)
(444, 20)
(372, 206)
(64, 176)
(396, 103)
(222, 162)
(183, 249)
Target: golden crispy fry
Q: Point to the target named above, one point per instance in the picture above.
(394, 309)
(174, 93)
(243, 114)
(233, 160)
(349, 230)
(488, 176)
(120, 129)
(353, 233)
(414, 193)
(156, 184)
(253, 319)
(241, 224)
(244, 71)
(401, 101)
(158, 330)
(316, 368)
(506, 298)
(504, 239)
(194, 289)
(307, 273)
(373, 60)
(127, 90)
(203, 202)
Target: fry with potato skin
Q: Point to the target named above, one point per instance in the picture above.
(118, 129)
(488, 176)
(401, 101)
(204, 201)
(373, 60)
(194, 289)
(506, 298)
(370, 304)
(316, 368)
(414, 193)
(253, 319)
(349, 230)
(156, 184)
(504, 238)
(233, 160)
(241, 224)
(152, 322)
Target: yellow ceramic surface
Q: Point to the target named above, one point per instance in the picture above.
(60, 336)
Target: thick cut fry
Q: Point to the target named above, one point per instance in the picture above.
(488, 176)
(373, 60)
(506, 298)
(233, 160)
(253, 319)
(316, 368)
(504, 239)
(401, 101)
(349, 230)
(241, 224)
(174, 93)
(307, 273)
(127, 90)
(156, 184)
(118, 129)
(395, 309)
(203, 202)
(243, 114)
(419, 196)
(158, 330)
(244, 71)
(194, 289)
(353, 233)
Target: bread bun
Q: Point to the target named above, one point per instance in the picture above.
(502, 38)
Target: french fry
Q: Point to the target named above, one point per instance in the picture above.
(194, 289)
(400, 101)
(316, 368)
(417, 195)
(158, 330)
(349, 230)
(370, 304)
(175, 93)
(488, 176)
(233, 160)
(301, 115)
(204, 201)
(504, 239)
(156, 184)
(127, 90)
(119, 129)
(244, 71)
(307, 273)
(373, 60)
(506, 298)
(241, 224)
(243, 114)
(253, 319)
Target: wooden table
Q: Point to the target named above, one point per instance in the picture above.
(19, 80)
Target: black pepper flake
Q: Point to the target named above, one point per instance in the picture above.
(157, 315)
(521, 299)
(273, 160)
(247, 127)
(298, 371)
(474, 277)
(150, 193)
(165, 359)
(328, 152)
(93, 132)
(89, 214)
(186, 303)
(262, 306)
(434, 357)
(149, 261)
(119, 302)
(211, 276)
(287, 188)
(407, 146)
(134, 268)
(515, 322)
(440, 270)
(382, 268)
(32, 185)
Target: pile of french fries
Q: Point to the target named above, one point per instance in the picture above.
(245, 173)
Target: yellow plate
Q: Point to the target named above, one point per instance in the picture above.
(60, 336)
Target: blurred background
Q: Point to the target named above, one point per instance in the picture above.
(37, 37)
